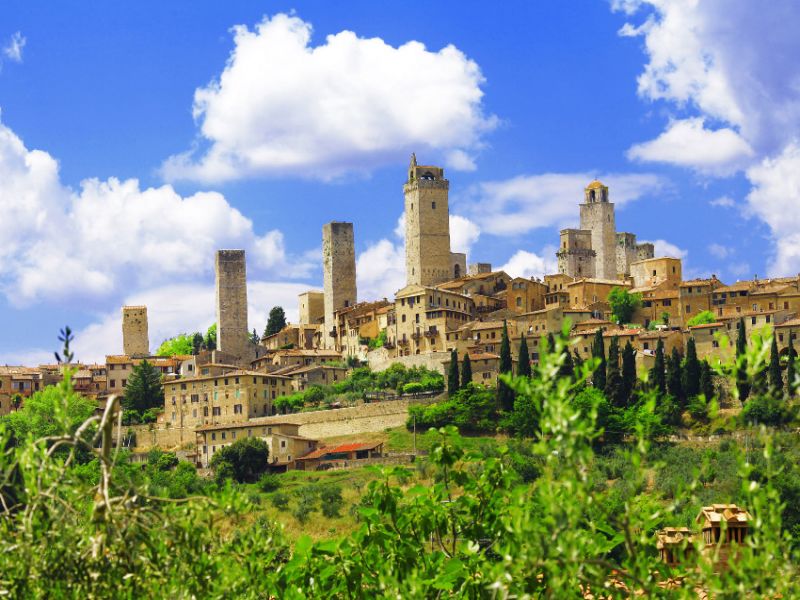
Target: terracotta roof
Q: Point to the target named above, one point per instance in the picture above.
(693, 282)
(487, 325)
(118, 359)
(483, 356)
(239, 373)
(341, 448)
(739, 286)
(621, 332)
(790, 323)
(707, 325)
(646, 335)
(616, 282)
(299, 352)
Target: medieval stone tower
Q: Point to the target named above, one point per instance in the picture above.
(135, 339)
(231, 284)
(597, 216)
(575, 255)
(339, 273)
(428, 259)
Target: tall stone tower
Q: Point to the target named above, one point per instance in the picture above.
(575, 255)
(597, 216)
(427, 225)
(135, 338)
(339, 273)
(231, 284)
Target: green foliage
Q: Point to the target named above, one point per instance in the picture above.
(197, 343)
(524, 359)
(599, 354)
(791, 368)
(276, 321)
(628, 372)
(280, 501)
(181, 344)
(466, 370)
(704, 317)
(244, 460)
(211, 338)
(269, 482)
(505, 395)
(413, 388)
(623, 304)
(472, 409)
(675, 378)
(768, 409)
(49, 412)
(452, 373)
(690, 376)
(658, 376)
(330, 500)
(379, 341)
(290, 403)
(775, 377)
(614, 388)
(707, 380)
(742, 380)
(144, 390)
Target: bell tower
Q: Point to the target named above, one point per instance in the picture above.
(428, 260)
(597, 216)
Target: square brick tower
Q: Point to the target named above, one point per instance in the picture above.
(597, 216)
(135, 339)
(339, 273)
(428, 259)
(231, 291)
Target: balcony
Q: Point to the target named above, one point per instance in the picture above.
(431, 333)
(416, 336)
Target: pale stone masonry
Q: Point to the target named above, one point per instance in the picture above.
(428, 258)
(597, 216)
(339, 274)
(231, 294)
(135, 338)
(311, 306)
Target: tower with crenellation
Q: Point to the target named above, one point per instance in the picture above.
(135, 336)
(338, 274)
(428, 257)
(597, 216)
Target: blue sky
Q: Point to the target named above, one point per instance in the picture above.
(136, 138)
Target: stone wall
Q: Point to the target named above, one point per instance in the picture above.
(379, 360)
(231, 296)
(135, 337)
(311, 306)
(338, 273)
(364, 418)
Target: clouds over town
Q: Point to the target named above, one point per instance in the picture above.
(728, 74)
(284, 106)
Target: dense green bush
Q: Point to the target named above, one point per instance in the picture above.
(471, 409)
(244, 460)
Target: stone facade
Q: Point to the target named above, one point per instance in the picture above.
(311, 305)
(656, 271)
(458, 264)
(339, 274)
(231, 294)
(135, 340)
(575, 255)
(597, 216)
(480, 268)
(428, 259)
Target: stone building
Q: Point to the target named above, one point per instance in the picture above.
(311, 307)
(458, 264)
(575, 255)
(424, 315)
(629, 252)
(135, 339)
(428, 257)
(480, 268)
(284, 444)
(339, 274)
(653, 272)
(223, 398)
(233, 337)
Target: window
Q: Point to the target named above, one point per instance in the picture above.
(223, 435)
(433, 205)
(752, 320)
(519, 301)
(216, 411)
(283, 443)
(688, 308)
(667, 302)
(403, 319)
(113, 383)
(715, 343)
(213, 436)
(124, 382)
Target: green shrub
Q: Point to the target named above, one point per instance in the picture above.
(330, 500)
(244, 460)
(269, 482)
(280, 501)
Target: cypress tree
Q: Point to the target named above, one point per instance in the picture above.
(599, 352)
(742, 384)
(466, 370)
(567, 368)
(691, 371)
(577, 361)
(706, 380)
(791, 368)
(775, 377)
(452, 373)
(628, 372)
(197, 343)
(505, 395)
(524, 364)
(613, 378)
(658, 376)
(674, 377)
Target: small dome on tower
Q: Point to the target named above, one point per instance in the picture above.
(595, 185)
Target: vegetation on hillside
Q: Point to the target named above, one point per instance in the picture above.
(555, 513)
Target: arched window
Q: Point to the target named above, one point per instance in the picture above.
(457, 271)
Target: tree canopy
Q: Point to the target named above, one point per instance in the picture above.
(276, 321)
(244, 460)
(144, 390)
(623, 304)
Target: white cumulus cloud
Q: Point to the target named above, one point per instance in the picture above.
(112, 236)
(688, 143)
(13, 50)
(527, 202)
(285, 106)
(381, 270)
(528, 264)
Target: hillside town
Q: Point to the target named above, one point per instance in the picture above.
(447, 306)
